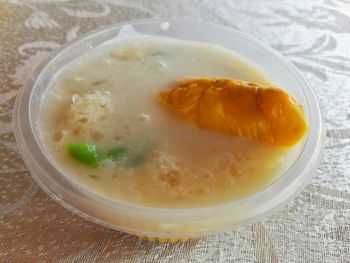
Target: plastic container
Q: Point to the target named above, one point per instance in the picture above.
(158, 223)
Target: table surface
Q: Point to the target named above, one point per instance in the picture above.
(314, 227)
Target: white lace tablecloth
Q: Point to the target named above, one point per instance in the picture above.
(315, 227)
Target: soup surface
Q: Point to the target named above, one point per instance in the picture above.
(108, 98)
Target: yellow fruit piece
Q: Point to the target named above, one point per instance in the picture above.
(239, 108)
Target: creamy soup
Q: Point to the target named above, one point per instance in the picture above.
(108, 98)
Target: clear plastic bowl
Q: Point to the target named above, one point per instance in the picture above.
(158, 223)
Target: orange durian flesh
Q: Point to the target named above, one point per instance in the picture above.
(238, 108)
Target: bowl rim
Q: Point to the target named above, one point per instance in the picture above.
(263, 194)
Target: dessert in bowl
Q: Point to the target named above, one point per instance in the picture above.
(104, 137)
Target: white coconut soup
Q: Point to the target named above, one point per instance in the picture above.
(145, 155)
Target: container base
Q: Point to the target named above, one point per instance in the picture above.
(164, 239)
